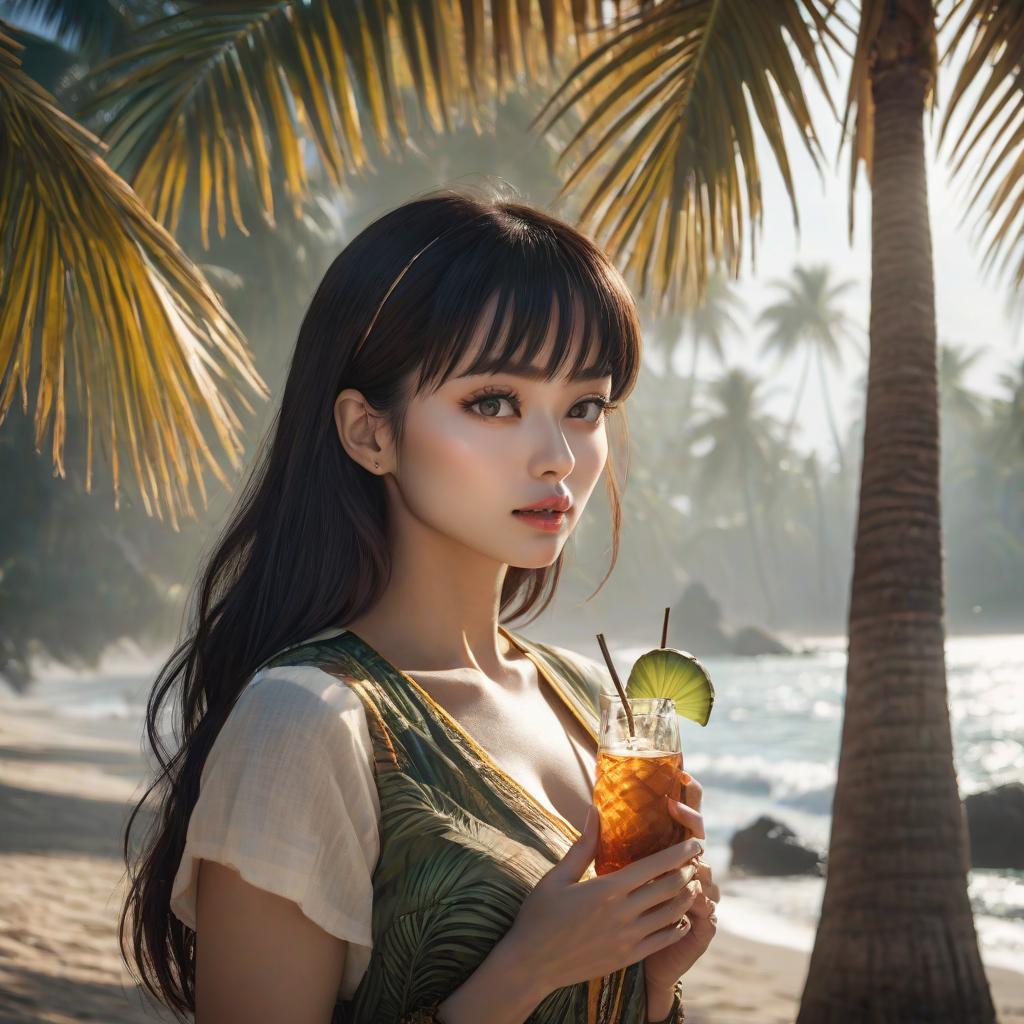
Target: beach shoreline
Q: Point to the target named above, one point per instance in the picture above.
(67, 785)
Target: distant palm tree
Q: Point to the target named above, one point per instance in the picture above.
(824, 546)
(809, 318)
(963, 409)
(1009, 415)
(706, 321)
(958, 400)
(1004, 443)
(739, 434)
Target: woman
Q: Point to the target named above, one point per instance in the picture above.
(379, 810)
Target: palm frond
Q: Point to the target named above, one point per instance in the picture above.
(96, 25)
(672, 99)
(991, 132)
(860, 107)
(87, 272)
(266, 80)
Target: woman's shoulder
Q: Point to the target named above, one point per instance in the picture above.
(302, 690)
(294, 715)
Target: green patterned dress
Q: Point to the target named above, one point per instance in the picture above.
(462, 843)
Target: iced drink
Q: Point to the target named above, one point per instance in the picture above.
(630, 795)
(635, 774)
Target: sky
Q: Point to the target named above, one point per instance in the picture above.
(972, 309)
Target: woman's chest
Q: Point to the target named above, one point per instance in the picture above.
(535, 739)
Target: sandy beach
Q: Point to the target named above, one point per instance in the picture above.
(66, 787)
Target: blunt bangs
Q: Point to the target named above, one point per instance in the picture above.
(531, 274)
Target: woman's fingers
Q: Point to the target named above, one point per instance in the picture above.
(702, 905)
(703, 875)
(693, 792)
(693, 820)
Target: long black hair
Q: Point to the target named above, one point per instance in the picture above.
(305, 547)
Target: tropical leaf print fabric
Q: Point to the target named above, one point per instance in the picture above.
(462, 843)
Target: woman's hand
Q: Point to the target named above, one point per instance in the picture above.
(663, 968)
(570, 930)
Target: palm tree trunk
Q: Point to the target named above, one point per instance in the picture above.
(821, 531)
(896, 939)
(829, 411)
(796, 398)
(755, 540)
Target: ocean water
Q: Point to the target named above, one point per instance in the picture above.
(771, 747)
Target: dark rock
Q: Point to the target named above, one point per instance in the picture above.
(770, 848)
(995, 822)
(694, 623)
(750, 641)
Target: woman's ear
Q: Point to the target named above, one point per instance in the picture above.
(362, 432)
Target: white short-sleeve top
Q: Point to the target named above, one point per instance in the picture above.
(287, 797)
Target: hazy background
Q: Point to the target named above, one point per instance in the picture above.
(726, 519)
(715, 494)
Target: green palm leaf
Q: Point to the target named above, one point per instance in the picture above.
(262, 80)
(684, 84)
(88, 273)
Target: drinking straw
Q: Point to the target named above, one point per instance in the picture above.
(618, 685)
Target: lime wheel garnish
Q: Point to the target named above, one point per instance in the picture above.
(666, 672)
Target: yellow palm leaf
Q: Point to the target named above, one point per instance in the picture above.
(671, 99)
(87, 270)
(993, 126)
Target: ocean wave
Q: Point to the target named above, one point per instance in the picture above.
(798, 783)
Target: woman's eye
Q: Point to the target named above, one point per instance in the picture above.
(599, 405)
(489, 404)
(490, 401)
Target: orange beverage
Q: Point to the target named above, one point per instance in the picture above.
(636, 771)
(630, 796)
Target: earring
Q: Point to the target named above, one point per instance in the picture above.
(376, 464)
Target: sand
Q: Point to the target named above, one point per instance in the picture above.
(66, 788)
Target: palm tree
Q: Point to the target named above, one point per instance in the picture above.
(706, 321)
(90, 279)
(983, 495)
(959, 401)
(896, 777)
(1009, 414)
(738, 434)
(821, 532)
(963, 410)
(1005, 443)
(669, 96)
(807, 316)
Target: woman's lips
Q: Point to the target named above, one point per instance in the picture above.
(551, 522)
(553, 503)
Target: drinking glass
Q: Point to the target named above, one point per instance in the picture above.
(634, 775)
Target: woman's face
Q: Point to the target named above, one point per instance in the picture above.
(480, 447)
